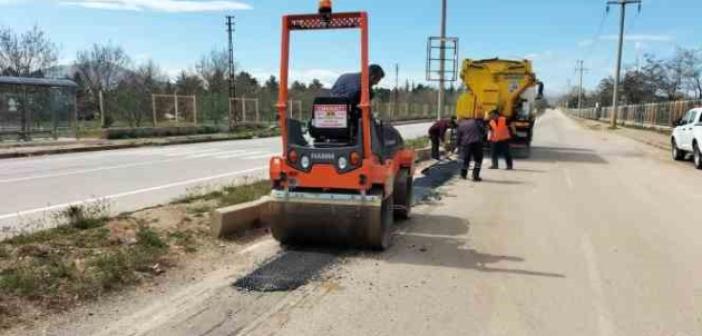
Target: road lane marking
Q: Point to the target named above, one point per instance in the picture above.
(242, 155)
(130, 193)
(128, 165)
(604, 322)
(216, 153)
(263, 156)
(191, 152)
(425, 235)
(83, 171)
(568, 179)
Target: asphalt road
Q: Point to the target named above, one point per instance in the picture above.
(130, 179)
(594, 235)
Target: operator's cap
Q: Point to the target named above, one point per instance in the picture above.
(325, 6)
(376, 69)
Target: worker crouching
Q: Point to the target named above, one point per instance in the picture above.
(437, 134)
(471, 136)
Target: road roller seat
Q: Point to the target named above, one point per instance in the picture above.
(334, 122)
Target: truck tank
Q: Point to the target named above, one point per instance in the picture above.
(508, 86)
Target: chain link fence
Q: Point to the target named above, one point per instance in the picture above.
(654, 115)
(410, 111)
(126, 109)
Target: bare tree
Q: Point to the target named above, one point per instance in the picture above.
(100, 68)
(692, 76)
(29, 54)
(213, 68)
(150, 76)
(101, 65)
(188, 83)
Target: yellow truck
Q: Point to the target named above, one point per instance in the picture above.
(509, 87)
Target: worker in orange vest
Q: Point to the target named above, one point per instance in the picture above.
(500, 135)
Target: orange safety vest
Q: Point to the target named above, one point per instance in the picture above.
(499, 130)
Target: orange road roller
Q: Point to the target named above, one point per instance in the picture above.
(343, 176)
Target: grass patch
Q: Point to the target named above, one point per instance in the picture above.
(185, 240)
(56, 269)
(417, 143)
(85, 217)
(225, 196)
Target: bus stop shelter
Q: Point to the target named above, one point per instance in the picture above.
(37, 107)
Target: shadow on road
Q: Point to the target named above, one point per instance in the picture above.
(442, 241)
(565, 154)
(503, 182)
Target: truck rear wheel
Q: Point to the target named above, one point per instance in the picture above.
(403, 194)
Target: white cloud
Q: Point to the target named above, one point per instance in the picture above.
(586, 43)
(172, 6)
(542, 56)
(639, 38)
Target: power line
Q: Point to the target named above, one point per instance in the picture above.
(597, 35)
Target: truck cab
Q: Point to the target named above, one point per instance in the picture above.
(687, 137)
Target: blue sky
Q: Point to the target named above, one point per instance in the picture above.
(554, 34)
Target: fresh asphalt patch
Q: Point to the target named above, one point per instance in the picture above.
(433, 177)
(294, 268)
(287, 271)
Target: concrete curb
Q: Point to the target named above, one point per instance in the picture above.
(238, 218)
(646, 142)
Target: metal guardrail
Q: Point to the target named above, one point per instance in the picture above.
(654, 115)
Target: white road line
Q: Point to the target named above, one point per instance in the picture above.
(604, 322)
(424, 235)
(130, 193)
(231, 155)
(263, 156)
(191, 152)
(240, 155)
(215, 153)
(568, 179)
(83, 171)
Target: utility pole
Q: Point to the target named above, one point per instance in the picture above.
(442, 61)
(581, 68)
(232, 87)
(397, 87)
(617, 74)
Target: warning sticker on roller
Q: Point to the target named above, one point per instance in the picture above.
(330, 116)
